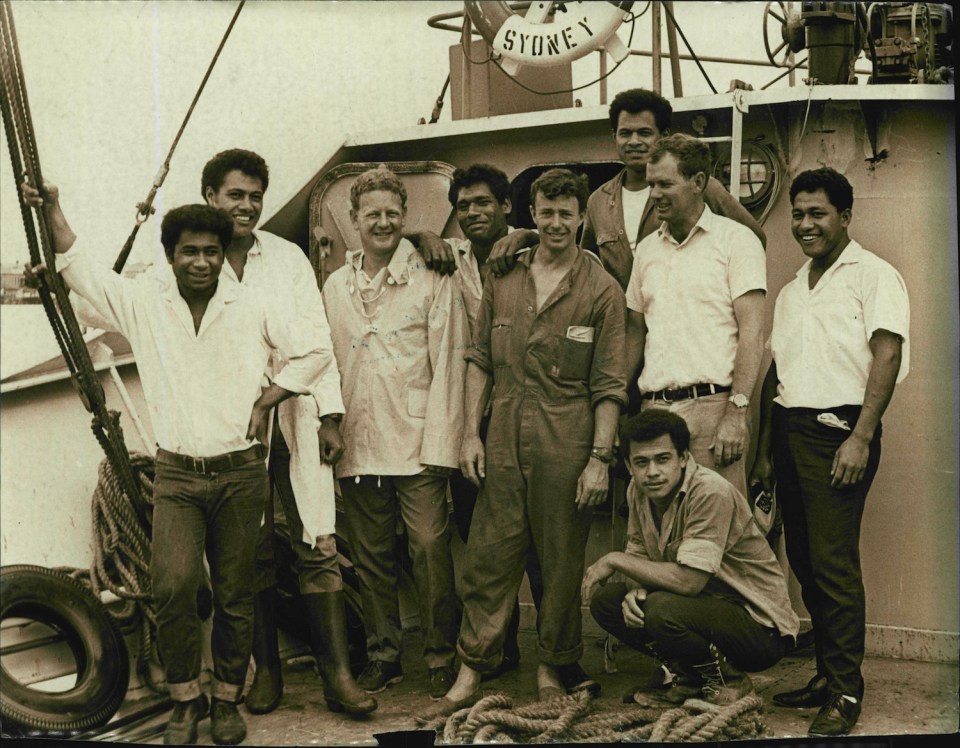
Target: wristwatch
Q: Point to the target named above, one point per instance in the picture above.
(605, 456)
(739, 400)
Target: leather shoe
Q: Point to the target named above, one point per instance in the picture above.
(226, 725)
(182, 727)
(573, 678)
(815, 693)
(836, 717)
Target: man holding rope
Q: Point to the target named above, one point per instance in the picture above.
(201, 347)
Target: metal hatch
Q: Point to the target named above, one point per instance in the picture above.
(331, 230)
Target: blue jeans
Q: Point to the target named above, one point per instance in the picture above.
(680, 628)
(216, 513)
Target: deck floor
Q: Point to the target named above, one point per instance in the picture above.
(902, 698)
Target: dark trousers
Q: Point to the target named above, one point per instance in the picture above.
(371, 508)
(317, 566)
(822, 528)
(680, 628)
(217, 514)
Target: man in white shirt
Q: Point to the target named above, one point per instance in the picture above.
(840, 344)
(306, 443)
(201, 348)
(695, 310)
(399, 334)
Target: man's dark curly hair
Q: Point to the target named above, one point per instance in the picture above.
(486, 174)
(636, 100)
(217, 168)
(829, 180)
(651, 424)
(198, 218)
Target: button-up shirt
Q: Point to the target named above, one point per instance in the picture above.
(572, 348)
(470, 277)
(709, 526)
(686, 290)
(821, 336)
(401, 366)
(199, 385)
(604, 231)
(280, 271)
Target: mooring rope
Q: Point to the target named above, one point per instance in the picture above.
(574, 719)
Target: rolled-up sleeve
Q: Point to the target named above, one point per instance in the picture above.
(608, 378)
(710, 518)
(297, 340)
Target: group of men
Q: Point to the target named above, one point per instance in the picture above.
(504, 383)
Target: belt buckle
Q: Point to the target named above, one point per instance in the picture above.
(201, 461)
(666, 396)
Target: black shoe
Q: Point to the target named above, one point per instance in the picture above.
(441, 681)
(836, 717)
(574, 679)
(182, 727)
(508, 662)
(378, 674)
(226, 725)
(815, 693)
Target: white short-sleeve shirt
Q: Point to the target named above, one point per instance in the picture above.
(686, 290)
(821, 337)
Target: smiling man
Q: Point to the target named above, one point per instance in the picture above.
(840, 345)
(704, 593)
(306, 443)
(201, 347)
(549, 344)
(399, 333)
(695, 310)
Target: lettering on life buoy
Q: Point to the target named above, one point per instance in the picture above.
(581, 29)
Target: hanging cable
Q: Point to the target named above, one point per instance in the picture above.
(145, 209)
(690, 49)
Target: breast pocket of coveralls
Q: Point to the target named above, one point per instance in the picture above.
(575, 353)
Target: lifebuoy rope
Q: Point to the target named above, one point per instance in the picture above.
(574, 719)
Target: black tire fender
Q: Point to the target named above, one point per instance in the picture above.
(103, 667)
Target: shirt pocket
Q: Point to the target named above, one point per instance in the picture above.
(500, 341)
(417, 403)
(576, 353)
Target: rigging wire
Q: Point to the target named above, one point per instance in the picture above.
(145, 209)
(689, 48)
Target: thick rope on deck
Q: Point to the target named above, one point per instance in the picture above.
(121, 554)
(574, 719)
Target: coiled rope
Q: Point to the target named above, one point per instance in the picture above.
(574, 719)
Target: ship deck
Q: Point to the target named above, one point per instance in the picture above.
(903, 698)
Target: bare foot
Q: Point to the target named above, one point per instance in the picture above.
(467, 683)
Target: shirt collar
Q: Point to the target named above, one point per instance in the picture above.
(225, 293)
(850, 255)
(398, 269)
(704, 223)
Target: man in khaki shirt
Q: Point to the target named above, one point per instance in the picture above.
(705, 594)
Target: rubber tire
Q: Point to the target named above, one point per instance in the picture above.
(103, 666)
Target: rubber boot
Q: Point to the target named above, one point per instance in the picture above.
(267, 688)
(328, 626)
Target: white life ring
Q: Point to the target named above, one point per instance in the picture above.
(583, 28)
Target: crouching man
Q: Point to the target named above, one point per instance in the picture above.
(705, 595)
(201, 348)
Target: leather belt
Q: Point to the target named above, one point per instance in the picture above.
(215, 464)
(686, 393)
